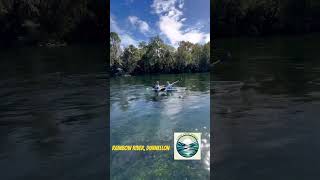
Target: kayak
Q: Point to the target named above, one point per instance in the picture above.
(164, 90)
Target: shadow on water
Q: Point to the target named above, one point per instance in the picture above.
(264, 109)
(53, 109)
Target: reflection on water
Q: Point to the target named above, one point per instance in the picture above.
(143, 117)
(52, 113)
(265, 109)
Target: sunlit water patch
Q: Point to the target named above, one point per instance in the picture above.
(141, 116)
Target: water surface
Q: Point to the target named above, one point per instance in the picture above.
(265, 109)
(53, 113)
(139, 116)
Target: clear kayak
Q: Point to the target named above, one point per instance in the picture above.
(164, 89)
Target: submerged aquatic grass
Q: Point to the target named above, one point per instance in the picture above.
(139, 116)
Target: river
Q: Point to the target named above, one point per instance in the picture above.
(139, 116)
(53, 113)
(265, 105)
(265, 109)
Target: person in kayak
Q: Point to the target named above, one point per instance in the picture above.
(157, 86)
(170, 86)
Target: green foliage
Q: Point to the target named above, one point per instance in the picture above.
(184, 56)
(205, 58)
(153, 59)
(58, 20)
(158, 57)
(263, 17)
(130, 58)
(115, 51)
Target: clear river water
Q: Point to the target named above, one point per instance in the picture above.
(139, 116)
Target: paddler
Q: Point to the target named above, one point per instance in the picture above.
(169, 86)
(157, 86)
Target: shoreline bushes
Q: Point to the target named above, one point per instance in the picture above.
(30, 22)
(265, 17)
(158, 57)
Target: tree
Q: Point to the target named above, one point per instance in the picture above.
(184, 56)
(168, 59)
(158, 57)
(153, 59)
(56, 21)
(196, 54)
(204, 61)
(115, 51)
(263, 17)
(130, 57)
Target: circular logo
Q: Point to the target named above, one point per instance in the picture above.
(187, 146)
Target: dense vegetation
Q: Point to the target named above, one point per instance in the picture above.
(47, 21)
(158, 57)
(264, 17)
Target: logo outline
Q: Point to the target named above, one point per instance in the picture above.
(187, 146)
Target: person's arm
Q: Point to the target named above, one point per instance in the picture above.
(174, 82)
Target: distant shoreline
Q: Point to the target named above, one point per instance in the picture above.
(157, 74)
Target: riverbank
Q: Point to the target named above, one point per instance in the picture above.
(120, 73)
(158, 57)
(33, 22)
(265, 17)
